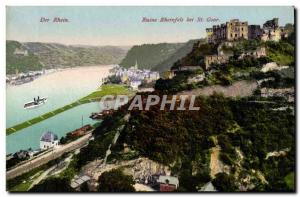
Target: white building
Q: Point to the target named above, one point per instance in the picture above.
(21, 52)
(48, 140)
(135, 84)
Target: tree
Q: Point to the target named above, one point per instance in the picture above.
(224, 183)
(53, 185)
(115, 181)
(84, 187)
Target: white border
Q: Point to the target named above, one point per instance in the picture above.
(3, 3)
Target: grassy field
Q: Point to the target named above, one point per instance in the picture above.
(111, 89)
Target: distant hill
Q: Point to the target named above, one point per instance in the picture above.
(177, 55)
(150, 55)
(20, 62)
(52, 55)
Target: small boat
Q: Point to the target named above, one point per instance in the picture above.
(96, 116)
(101, 115)
(35, 103)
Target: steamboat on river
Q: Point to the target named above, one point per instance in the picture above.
(35, 103)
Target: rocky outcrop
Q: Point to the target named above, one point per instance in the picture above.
(272, 66)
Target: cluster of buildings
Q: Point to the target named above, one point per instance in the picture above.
(22, 154)
(21, 78)
(222, 58)
(134, 77)
(48, 140)
(225, 34)
(236, 30)
(160, 182)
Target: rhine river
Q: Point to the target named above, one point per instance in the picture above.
(61, 88)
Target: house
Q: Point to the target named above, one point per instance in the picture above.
(20, 52)
(168, 183)
(215, 59)
(169, 74)
(196, 79)
(153, 76)
(208, 187)
(191, 68)
(48, 140)
(259, 52)
(135, 84)
(22, 154)
(78, 181)
(146, 90)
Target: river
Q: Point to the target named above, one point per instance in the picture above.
(60, 88)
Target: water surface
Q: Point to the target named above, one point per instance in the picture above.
(61, 88)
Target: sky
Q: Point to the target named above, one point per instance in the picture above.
(123, 26)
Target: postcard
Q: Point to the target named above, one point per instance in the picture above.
(186, 99)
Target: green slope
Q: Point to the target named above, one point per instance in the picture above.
(20, 62)
(180, 53)
(149, 55)
(53, 55)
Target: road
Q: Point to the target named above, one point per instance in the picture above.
(43, 159)
(41, 177)
(239, 88)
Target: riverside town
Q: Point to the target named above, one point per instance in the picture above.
(135, 99)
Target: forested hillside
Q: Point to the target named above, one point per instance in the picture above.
(180, 53)
(150, 55)
(20, 62)
(52, 55)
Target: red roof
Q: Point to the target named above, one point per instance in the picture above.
(167, 188)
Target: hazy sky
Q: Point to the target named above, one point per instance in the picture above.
(124, 26)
